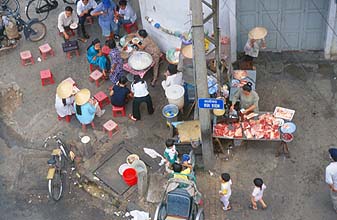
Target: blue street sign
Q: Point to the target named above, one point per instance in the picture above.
(211, 103)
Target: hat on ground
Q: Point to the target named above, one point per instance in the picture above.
(257, 33)
(82, 96)
(64, 89)
(333, 153)
(188, 51)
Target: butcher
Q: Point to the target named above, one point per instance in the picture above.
(249, 100)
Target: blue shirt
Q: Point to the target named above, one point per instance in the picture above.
(88, 113)
(106, 19)
(119, 96)
(100, 61)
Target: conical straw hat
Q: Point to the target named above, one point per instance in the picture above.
(257, 33)
(188, 51)
(64, 89)
(82, 96)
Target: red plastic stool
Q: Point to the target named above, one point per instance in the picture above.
(84, 127)
(46, 77)
(116, 110)
(67, 117)
(26, 56)
(111, 127)
(69, 79)
(128, 27)
(102, 99)
(96, 76)
(45, 49)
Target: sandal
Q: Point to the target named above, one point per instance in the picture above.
(252, 207)
(228, 208)
(132, 118)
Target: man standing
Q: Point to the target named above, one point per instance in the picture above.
(331, 177)
(84, 7)
(126, 15)
(65, 19)
(106, 14)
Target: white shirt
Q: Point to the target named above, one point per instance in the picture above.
(226, 188)
(64, 110)
(64, 21)
(81, 7)
(258, 193)
(175, 79)
(331, 174)
(139, 89)
(252, 51)
(128, 13)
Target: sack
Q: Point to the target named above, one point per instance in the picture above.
(11, 29)
(70, 46)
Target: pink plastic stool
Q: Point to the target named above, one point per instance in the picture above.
(84, 127)
(45, 49)
(46, 77)
(67, 117)
(96, 76)
(26, 56)
(102, 99)
(116, 110)
(111, 127)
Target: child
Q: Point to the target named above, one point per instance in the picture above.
(258, 194)
(181, 173)
(225, 191)
(170, 154)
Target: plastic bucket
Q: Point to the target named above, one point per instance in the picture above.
(175, 95)
(170, 112)
(130, 176)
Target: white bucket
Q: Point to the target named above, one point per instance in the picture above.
(175, 95)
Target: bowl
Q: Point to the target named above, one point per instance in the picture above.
(287, 137)
(123, 167)
(73, 25)
(131, 158)
(140, 60)
(135, 40)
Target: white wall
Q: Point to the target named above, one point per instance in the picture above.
(176, 15)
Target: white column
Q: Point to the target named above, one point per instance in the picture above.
(329, 33)
(232, 28)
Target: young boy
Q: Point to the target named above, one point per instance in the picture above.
(257, 195)
(170, 154)
(179, 172)
(225, 191)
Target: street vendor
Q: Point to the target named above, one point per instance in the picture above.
(249, 99)
(148, 45)
(256, 40)
(64, 99)
(86, 107)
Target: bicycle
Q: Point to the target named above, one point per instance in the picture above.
(33, 30)
(57, 169)
(40, 8)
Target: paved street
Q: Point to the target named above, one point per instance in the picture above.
(295, 186)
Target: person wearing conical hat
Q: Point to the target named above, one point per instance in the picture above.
(64, 99)
(86, 107)
(256, 40)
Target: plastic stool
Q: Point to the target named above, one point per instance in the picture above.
(67, 117)
(116, 110)
(46, 77)
(95, 76)
(26, 56)
(128, 27)
(84, 127)
(110, 126)
(102, 99)
(45, 49)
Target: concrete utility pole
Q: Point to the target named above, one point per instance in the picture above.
(201, 81)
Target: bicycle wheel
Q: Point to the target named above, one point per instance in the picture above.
(10, 6)
(37, 31)
(55, 185)
(37, 9)
(70, 2)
